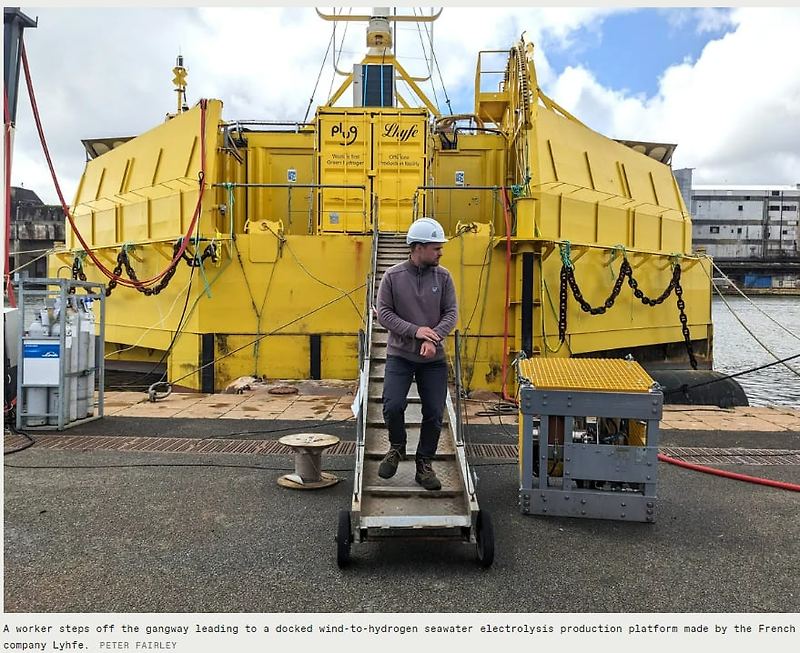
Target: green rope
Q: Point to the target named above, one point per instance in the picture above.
(523, 189)
(229, 188)
(614, 253)
(207, 289)
(79, 258)
(565, 254)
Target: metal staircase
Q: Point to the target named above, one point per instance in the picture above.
(399, 507)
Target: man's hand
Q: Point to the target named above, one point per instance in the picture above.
(428, 334)
(428, 350)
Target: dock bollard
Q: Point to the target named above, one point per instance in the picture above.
(308, 474)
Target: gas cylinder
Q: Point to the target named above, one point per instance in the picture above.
(36, 398)
(88, 326)
(71, 321)
(54, 394)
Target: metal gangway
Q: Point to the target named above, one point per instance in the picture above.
(398, 507)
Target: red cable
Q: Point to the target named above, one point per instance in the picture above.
(108, 273)
(7, 157)
(504, 371)
(738, 477)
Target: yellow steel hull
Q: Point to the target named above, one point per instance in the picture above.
(292, 214)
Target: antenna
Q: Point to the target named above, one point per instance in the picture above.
(180, 83)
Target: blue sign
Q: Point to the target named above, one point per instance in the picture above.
(41, 350)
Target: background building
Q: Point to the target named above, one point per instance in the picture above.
(746, 222)
(684, 178)
(35, 228)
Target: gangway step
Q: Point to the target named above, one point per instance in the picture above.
(417, 506)
(376, 443)
(376, 392)
(413, 415)
(403, 480)
(417, 491)
(399, 506)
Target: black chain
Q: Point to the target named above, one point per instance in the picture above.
(117, 273)
(124, 261)
(77, 273)
(625, 270)
(684, 320)
(209, 252)
(562, 303)
(676, 276)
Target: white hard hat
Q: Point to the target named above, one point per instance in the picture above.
(425, 230)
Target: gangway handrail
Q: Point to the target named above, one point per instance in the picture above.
(459, 187)
(459, 425)
(286, 185)
(364, 374)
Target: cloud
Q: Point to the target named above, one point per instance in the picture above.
(710, 19)
(108, 72)
(734, 112)
(700, 20)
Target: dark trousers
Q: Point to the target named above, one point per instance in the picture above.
(432, 385)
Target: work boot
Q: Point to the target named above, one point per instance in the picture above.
(425, 475)
(390, 462)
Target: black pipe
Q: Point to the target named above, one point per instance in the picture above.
(315, 350)
(527, 303)
(207, 360)
(14, 23)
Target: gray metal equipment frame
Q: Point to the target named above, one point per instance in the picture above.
(29, 291)
(583, 463)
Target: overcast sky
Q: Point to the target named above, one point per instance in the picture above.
(724, 84)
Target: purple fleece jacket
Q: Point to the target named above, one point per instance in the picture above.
(410, 297)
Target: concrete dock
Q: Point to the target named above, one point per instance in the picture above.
(173, 506)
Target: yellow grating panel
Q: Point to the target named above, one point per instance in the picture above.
(599, 374)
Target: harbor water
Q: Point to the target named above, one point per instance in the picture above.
(735, 350)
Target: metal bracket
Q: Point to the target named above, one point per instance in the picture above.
(642, 259)
(548, 249)
(582, 249)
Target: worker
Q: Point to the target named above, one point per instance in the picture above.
(417, 305)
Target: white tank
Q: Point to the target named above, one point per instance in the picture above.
(90, 358)
(54, 394)
(36, 398)
(71, 382)
(84, 327)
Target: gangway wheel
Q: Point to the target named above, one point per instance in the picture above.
(343, 539)
(484, 536)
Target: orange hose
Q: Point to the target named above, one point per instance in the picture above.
(792, 487)
(108, 273)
